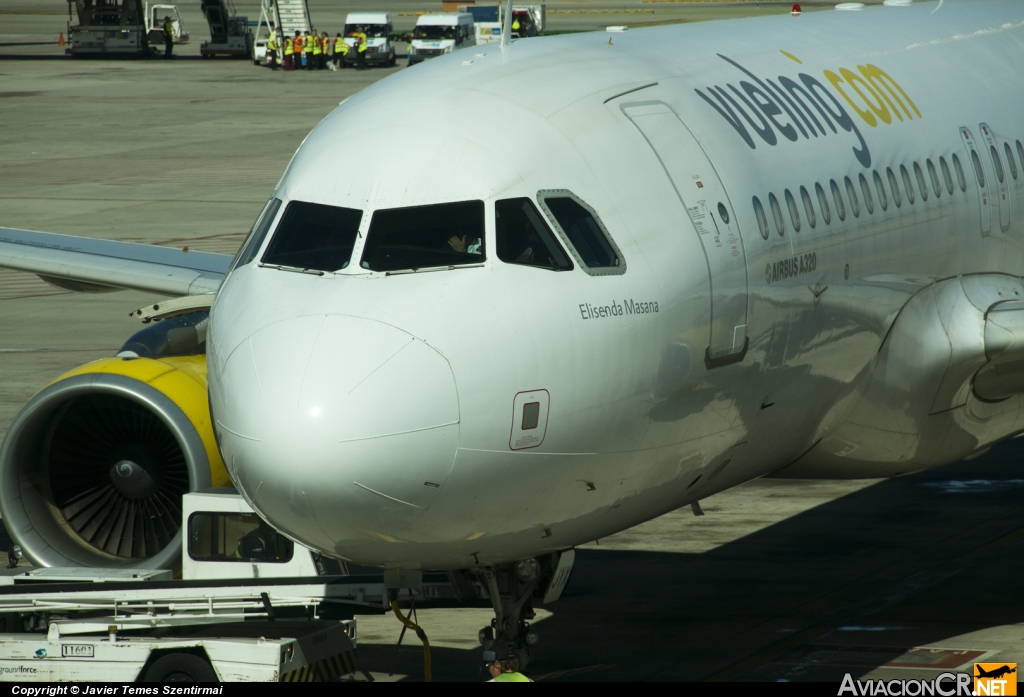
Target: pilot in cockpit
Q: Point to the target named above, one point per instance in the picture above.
(465, 242)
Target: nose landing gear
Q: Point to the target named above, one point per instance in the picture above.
(512, 589)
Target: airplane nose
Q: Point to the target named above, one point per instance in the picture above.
(348, 422)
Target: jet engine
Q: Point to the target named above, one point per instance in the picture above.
(93, 468)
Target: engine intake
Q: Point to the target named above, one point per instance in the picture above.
(93, 468)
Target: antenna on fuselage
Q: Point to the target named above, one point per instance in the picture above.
(506, 29)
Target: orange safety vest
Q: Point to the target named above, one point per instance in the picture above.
(297, 42)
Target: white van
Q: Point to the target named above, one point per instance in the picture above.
(380, 49)
(438, 34)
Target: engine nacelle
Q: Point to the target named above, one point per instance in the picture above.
(93, 468)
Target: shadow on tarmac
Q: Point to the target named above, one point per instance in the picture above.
(849, 586)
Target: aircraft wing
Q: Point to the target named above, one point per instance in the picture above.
(87, 264)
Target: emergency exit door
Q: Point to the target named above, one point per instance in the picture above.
(1001, 188)
(980, 179)
(704, 197)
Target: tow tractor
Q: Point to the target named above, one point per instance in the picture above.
(155, 24)
(250, 605)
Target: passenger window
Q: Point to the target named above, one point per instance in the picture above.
(826, 213)
(866, 190)
(762, 220)
(883, 200)
(808, 206)
(236, 537)
(794, 212)
(314, 236)
(445, 234)
(851, 193)
(259, 231)
(921, 183)
(961, 179)
(979, 171)
(908, 184)
(934, 176)
(1000, 174)
(895, 186)
(946, 176)
(838, 197)
(524, 238)
(780, 222)
(584, 232)
(1009, 160)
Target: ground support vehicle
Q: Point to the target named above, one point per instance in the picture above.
(380, 47)
(251, 605)
(487, 20)
(438, 34)
(229, 33)
(116, 27)
(155, 24)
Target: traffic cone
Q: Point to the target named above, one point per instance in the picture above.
(60, 41)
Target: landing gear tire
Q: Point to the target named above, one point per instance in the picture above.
(180, 667)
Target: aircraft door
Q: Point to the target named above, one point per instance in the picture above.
(1001, 187)
(980, 179)
(705, 199)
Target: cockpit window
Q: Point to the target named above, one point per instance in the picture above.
(446, 234)
(584, 232)
(524, 238)
(314, 236)
(258, 233)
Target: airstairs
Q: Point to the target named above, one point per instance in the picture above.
(288, 15)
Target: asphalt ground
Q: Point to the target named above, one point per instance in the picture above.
(780, 580)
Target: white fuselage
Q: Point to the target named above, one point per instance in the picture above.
(374, 416)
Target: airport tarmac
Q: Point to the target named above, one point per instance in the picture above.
(780, 580)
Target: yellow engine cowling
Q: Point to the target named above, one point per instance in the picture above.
(93, 468)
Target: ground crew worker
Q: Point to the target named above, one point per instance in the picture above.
(307, 51)
(297, 47)
(272, 47)
(503, 665)
(168, 37)
(515, 25)
(325, 46)
(289, 54)
(361, 50)
(318, 52)
(340, 51)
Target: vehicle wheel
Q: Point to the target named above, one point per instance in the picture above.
(391, 61)
(180, 667)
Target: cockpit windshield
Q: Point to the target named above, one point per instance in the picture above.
(314, 236)
(372, 31)
(433, 32)
(446, 234)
